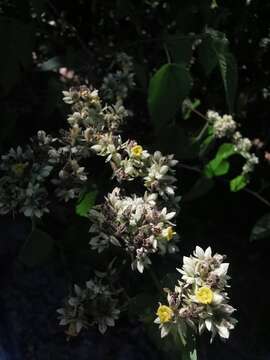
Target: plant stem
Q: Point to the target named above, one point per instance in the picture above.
(202, 132)
(247, 190)
(167, 53)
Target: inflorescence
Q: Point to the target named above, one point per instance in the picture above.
(199, 301)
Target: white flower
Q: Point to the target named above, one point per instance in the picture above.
(199, 301)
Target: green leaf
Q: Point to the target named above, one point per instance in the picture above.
(229, 73)
(238, 183)
(219, 165)
(86, 203)
(261, 230)
(214, 51)
(168, 88)
(207, 56)
(225, 151)
(37, 248)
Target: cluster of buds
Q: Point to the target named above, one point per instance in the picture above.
(200, 300)
(94, 305)
(225, 126)
(134, 223)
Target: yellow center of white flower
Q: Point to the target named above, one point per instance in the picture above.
(204, 295)
(164, 313)
(136, 151)
(18, 169)
(170, 233)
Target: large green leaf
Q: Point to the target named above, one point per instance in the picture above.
(261, 229)
(207, 56)
(168, 88)
(229, 73)
(214, 51)
(37, 249)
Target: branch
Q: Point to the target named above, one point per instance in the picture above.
(247, 190)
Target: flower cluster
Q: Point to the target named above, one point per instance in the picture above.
(95, 304)
(200, 300)
(134, 223)
(116, 85)
(243, 147)
(22, 184)
(29, 174)
(90, 118)
(96, 128)
(129, 161)
(225, 126)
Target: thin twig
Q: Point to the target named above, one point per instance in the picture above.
(257, 195)
(198, 113)
(247, 190)
(167, 53)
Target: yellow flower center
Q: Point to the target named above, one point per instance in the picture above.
(137, 151)
(170, 233)
(204, 295)
(18, 168)
(164, 313)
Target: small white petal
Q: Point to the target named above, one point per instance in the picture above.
(208, 324)
(164, 331)
(208, 252)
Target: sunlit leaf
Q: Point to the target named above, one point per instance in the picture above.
(86, 203)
